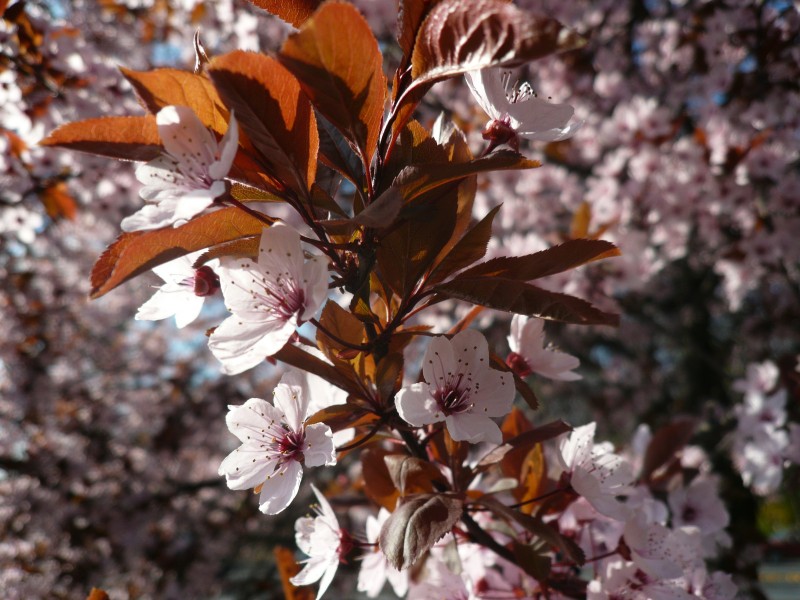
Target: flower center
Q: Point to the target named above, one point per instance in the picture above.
(451, 399)
(291, 445)
(282, 296)
(689, 514)
(206, 282)
(518, 364)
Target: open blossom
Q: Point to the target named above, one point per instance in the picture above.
(325, 543)
(276, 443)
(516, 111)
(268, 299)
(189, 176)
(183, 293)
(595, 472)
(528, 354)
(699, 505)
(375, 569)
(460, 389)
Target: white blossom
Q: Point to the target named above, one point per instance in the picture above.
(183, 293)
(189, 176)
(268, 299)
(517, 107)
(460, 389)
(324, 542)
(276, 443)
(375, 569)
(595, 472)
(528, 354)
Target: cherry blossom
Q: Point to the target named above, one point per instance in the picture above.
(276, 443)
(516, 111)
(183, 293)
(375, 569)
(324, 542)
(528, 354)
(268, 299)
(699, 505)
(460, 389)
(595, 472)
(189, 176)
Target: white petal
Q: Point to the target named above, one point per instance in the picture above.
(439, 361)
(486, 86)
(250, 422)
(241, 345)
(189, 311)
(161, 306)
(576, 448)
(291, 396)
(280, 252)
(228, 146)
(280, 489)
(473, 428)
(533, 116)
(150, 216)
(196, 201)
(515, 332)
(184, 135)
(246, 468)
(493, 393)
(312, 571)
(315, 285)
(416, 406)
(471, 351)
(319, 448)
(327, 577)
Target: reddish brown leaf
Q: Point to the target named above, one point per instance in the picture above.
(383, 211)
(273, 112)
(297, 357)
(246, 247)
(341, 74)
(135, 253)
(666, 443)
(412, 475)
(463, 35)
(165, 87)
(470, 248)
(416, 525)
(411, 15)
(342, 324)
(512, 295)
(97, 594)
(294, 11)
(127, 138)
(378, 485)
(58, 202)
(566, 256)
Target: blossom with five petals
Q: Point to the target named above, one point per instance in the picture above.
(528, 354)
(324, 542)
(183, 293)
(189, 176)
(595, 472)
(460, 389)
(516, 111)
(276, 443)
(268, 298)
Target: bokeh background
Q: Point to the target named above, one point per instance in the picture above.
(111, 430)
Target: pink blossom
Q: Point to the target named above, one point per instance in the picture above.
(268, 299)
(183, 293)
(528, 354)
(189, 176)
(375, 569)
(276, 443)
(325, 544)
(595, 472)
(699, 505)
(460, 389)
(516, 109)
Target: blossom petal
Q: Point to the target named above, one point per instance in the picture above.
(473, 428)
(241, 345)
(493, 394)
(150, 216)
(535, 116)
(189, 311)
(471, 351)
(315, 285)
(228, 148)
(246, 468)
(184, 136)
(439, 361)
(280, 252)
(279, 490)
(162, 305)
(250, 422)
(319, 449)
(291, 397)
(416, 406)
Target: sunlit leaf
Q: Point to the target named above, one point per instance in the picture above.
(288, 568)
(127, 138)
(412, 475)
(294, 11)
(58, 202)
(378, 484)
(341, 74)
(134, 253)
(274, 113)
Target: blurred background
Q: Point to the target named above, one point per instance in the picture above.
(112, 430)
